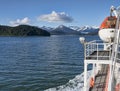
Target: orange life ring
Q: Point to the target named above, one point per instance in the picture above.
(91, 82)
(117, 88)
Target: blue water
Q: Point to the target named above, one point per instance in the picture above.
(39, 63)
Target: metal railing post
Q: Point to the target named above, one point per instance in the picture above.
(97, 51)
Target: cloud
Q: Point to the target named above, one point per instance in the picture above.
(56, 17)
(25, 20)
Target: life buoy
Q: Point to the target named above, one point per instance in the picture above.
(117, 88)
(91, 82)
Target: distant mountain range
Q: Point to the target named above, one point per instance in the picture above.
(60, 30)
(27, 30)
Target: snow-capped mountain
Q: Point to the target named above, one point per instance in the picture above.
(63, 30)
(47, 28)
(76, 28)
(86, 29)
(72, 30)
(83, 28)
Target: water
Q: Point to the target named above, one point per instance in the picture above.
(40, 63)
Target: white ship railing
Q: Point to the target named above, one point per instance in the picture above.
(97, 46)
(92, 54)
(113, 56)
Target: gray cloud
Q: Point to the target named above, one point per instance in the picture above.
(56, 17)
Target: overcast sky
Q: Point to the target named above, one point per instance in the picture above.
(55, 12)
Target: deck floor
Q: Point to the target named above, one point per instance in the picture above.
(100, 79)
(100, 55)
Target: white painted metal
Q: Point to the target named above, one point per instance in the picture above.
(114, 55)
(98, 46)
(112, 58)
(98, 62)
(114, 11)
(90, 47)
(85, 76)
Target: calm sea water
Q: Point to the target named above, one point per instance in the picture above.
(39, 63)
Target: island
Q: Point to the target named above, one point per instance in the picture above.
(22, 30)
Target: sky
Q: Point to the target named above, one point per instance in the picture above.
(53, 13)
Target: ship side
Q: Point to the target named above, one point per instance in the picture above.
(104, 56)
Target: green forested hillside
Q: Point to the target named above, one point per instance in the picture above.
(22, 30)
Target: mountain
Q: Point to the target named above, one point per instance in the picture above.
(76, 28)
(27, 30)
(49, 29)
(22, 30)
(86, 29)
(60, 30)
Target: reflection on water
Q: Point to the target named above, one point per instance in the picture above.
(38, 63)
